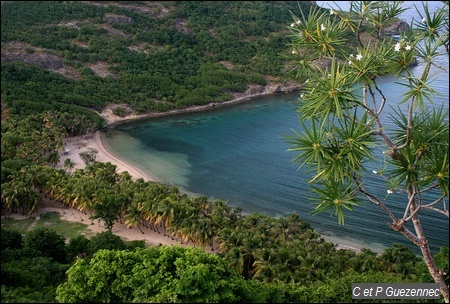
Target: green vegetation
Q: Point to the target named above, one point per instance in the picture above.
(51, 220)
(158, 56)
(106, 269)
(346, 110)
(276, 253)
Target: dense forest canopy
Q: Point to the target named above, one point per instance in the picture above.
(77, 56)
(62, 63)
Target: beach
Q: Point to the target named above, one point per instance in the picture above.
(95, 141)
(75, 145)
(80, 144)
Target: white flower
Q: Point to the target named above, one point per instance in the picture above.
(389, 191)
(408, 47)
(293, 52)
(332, 12)
(301, 95)
(397, 47)
(292, 24)
(424, 20)
(349, 62)
(359, 57)
(351, 55)
(322, 27)
(374, 172)
(298, 22)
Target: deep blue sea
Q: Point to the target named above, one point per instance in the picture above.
(238, 154)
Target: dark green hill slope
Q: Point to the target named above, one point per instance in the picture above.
(75, 56)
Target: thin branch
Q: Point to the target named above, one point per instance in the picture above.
(430, 188)
(430, 206)
(371, 112)
(444, 212)
(408, 128)
(411, 199)
(412, 214)
(377, 202)
(383, 99)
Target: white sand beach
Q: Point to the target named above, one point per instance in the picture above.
(75, 145)
(94, 141)
(78, 144)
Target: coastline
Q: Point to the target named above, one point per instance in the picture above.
(77, 144)
(96, 141)
(254, 91)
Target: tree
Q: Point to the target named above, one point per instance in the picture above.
(77, 246)
(68, 164)
(107, 204)
(11, 239)
(105, 240)
(343, 129)
(89, 156)
(154, 274)
(101, 279)
(48, 242)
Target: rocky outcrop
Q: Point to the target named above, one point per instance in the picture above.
(121, 19)
(271, 88)
(255, 90)
(396, 28)
(43, 60)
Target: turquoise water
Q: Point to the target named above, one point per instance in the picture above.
(238, 154)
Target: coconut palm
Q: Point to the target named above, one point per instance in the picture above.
(133, 217)
(231, 244)
(68, 164)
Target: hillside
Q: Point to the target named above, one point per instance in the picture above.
(154, 56)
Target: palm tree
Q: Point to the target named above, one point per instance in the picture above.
(68, 164)
(10, 197)
(128, 189)
(175, 227)
(231, 245)
(265, 265)
(133, 217)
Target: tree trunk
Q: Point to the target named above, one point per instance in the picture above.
(425, 249)
(139, 226)
(435, 272)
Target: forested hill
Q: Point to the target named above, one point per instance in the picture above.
(75, 56)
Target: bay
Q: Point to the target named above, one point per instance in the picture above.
(238, 154)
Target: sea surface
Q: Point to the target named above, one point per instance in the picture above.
(239, 154)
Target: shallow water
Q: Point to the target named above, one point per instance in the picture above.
(238, 154)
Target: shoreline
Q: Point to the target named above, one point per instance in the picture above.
(96, 141)
(114, 120)
(77, 144)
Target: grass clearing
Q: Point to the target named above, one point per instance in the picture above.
(20, 225)
(50, 219)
